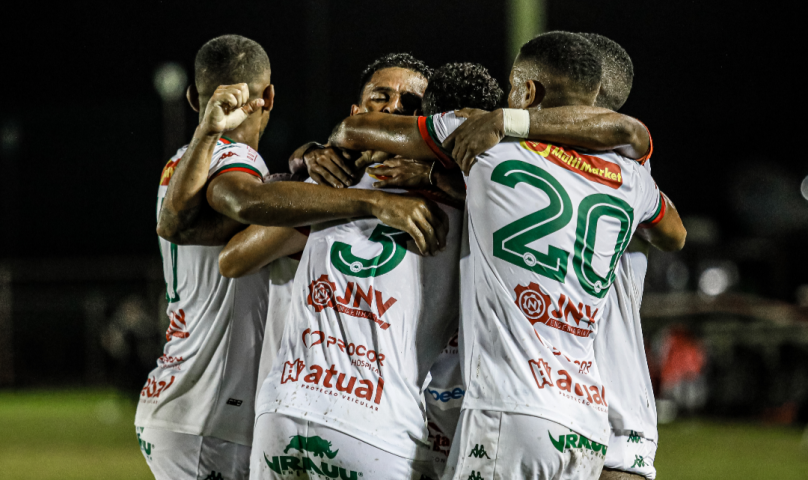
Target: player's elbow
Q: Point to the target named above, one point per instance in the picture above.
(229, 266)
(672, 242)
(344, 134)
(166, 231)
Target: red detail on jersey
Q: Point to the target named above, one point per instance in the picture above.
(291, 370)
(168, 171)
(153, 388)
(542, 373)
(533, 303)
(660, 214)
(237, 169)
(176, 328)
(592, 168)
(227, 155)
(322, 294)
(436, 149)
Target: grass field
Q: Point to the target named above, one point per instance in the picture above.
(88, 435)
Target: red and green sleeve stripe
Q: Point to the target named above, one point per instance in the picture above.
(658, 215)
(238, 167)
(427, 130)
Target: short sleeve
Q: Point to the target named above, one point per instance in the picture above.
(237, 157)
(653, 204)
(435, 129)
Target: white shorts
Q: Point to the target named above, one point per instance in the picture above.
(179, 456)
(492, 445)
(633, 454)
(288, 447)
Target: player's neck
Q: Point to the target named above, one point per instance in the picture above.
(566, 99)
(247, 134)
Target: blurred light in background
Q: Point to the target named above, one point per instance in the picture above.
(717, 279)
(170, 81)
(804, 188)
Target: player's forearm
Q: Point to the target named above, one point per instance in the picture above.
(592, 128)
(186, 189)
(254, 247)
(291, 204)
(394, 134)
(209, 228)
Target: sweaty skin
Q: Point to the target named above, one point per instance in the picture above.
(245, 199)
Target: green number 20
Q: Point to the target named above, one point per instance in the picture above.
(510, 241)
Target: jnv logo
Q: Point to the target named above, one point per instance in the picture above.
(479, 452)
(639, 461)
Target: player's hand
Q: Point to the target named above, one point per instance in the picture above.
(371, 157)
(423, 219)
(402, 172)
(475, 136)
(330, 166)
(228, 107)
(469, 112)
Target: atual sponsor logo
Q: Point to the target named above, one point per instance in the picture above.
(575, 441)
(536, 306)
(589, 395)
(334, 383)
(322, 294)
(317, 447)
(153, 388)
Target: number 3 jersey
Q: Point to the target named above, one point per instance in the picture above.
(205, 381)
(369, 316)
(547, 226)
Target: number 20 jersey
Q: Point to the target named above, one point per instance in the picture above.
(547, 226)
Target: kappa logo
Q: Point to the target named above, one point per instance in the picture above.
(634, 437)
(322, 294)
(536, 306)
(479, 452)
(475, 475)
(214, 476)
(572, 440)
(177, 326)
(639, 461)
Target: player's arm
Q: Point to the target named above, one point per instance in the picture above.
(245, 199)
(665, 232)
(184, 216)
(592, 128)
(325, 164)
(394, 134)
(254, 247)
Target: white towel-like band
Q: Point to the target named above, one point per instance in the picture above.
(516, 122)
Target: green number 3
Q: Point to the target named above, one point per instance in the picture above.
(394, 248)
(510, 241)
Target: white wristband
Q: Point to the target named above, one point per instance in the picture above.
(516, 122)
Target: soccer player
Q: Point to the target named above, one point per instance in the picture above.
(393, 83)
(196, 411)
(534, 405)
(619, 345)
(368, 319)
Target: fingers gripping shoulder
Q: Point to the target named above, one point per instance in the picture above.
(230, 156)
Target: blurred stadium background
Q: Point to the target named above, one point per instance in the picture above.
(94, 104)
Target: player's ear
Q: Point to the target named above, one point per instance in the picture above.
(355, 109)
(535, 93)
(269, 98)
(193, 97)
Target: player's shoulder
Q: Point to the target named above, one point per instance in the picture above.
(230, 155)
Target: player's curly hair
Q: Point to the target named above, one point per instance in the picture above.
(401, 60)
(618, 72)
(566, 54)
(461, 85)
(227, 60)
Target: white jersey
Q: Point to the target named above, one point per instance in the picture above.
(368, 318)
(444, 397)
(204, 383)
(619, 348)
(547, 226)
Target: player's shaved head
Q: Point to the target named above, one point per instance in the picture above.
(228, 60)
(554, 69)
(461, 85)
(618, 72)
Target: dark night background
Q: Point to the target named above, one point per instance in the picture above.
(712, 83)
